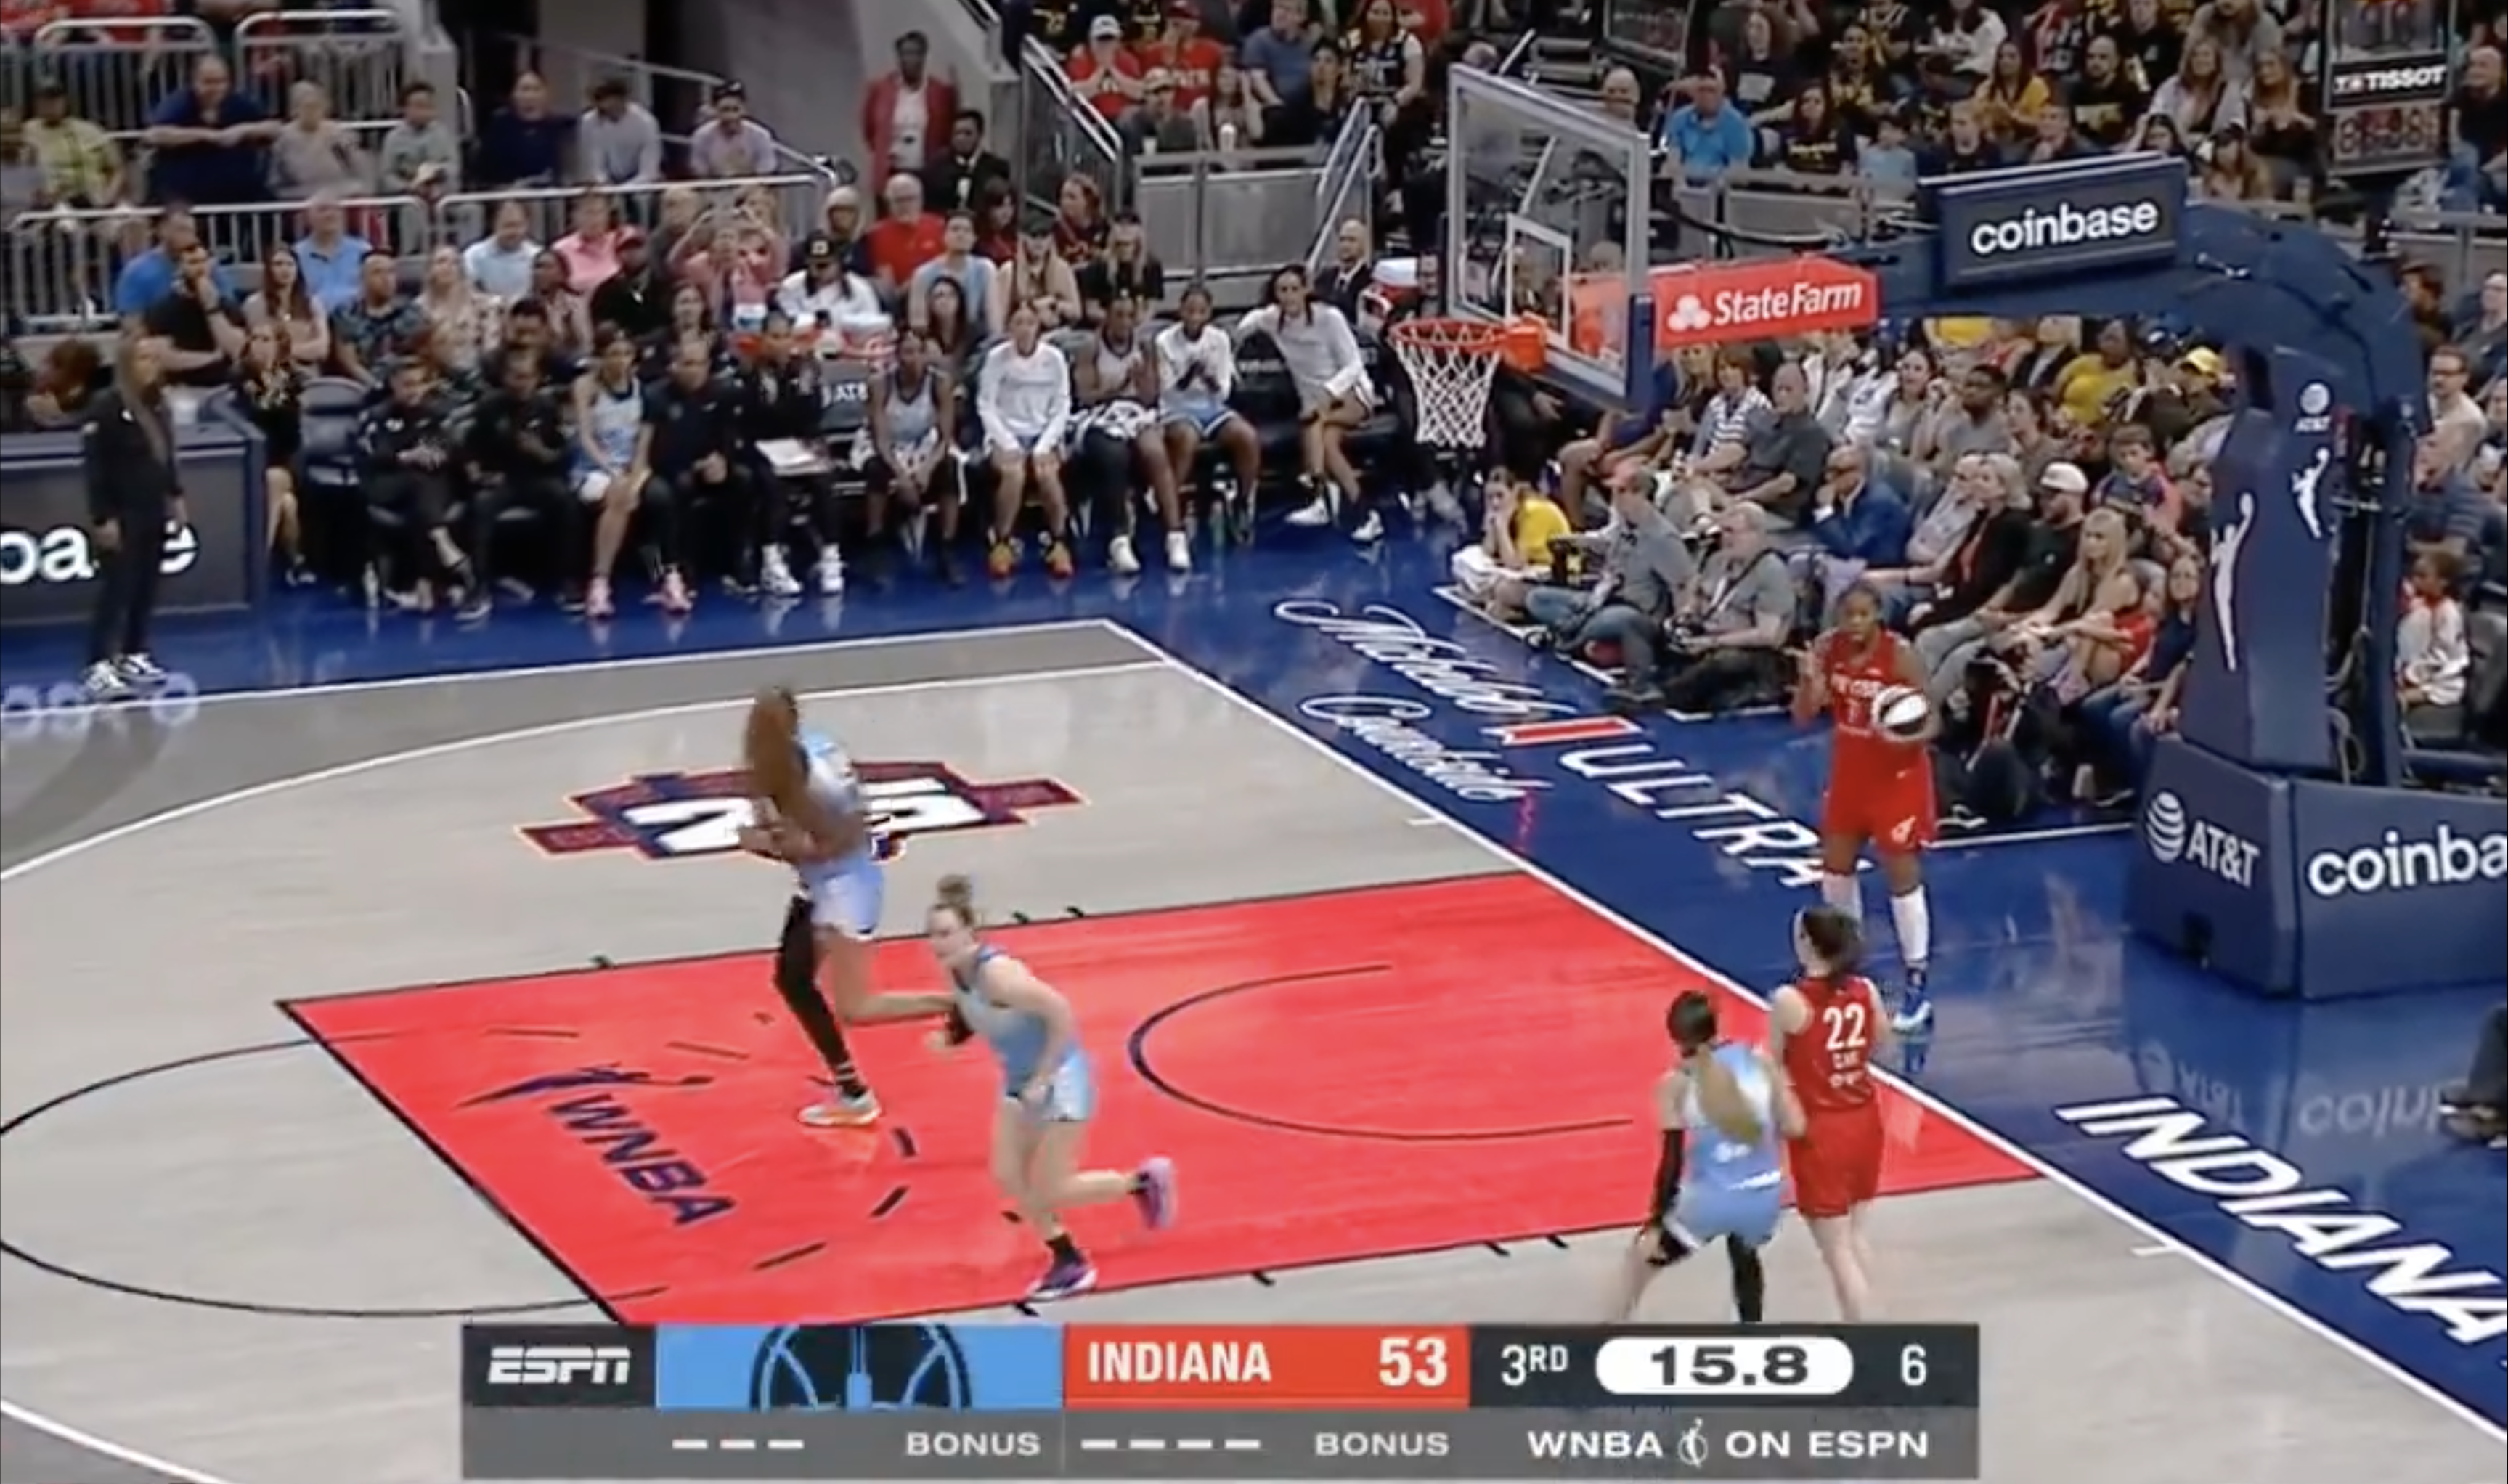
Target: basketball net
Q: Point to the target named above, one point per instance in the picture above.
(1451, 364)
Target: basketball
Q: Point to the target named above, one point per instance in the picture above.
(1901, 712)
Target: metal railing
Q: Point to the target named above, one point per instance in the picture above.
(1780, 204)
(1345, 185)
(61, 266)
(1056, 132)
(116, 73)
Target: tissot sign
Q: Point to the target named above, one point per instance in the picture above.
(2048, 221)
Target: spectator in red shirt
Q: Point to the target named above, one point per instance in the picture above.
(1104, 71)
(904, 239)
(1192, 59)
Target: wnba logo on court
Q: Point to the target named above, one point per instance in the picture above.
(678, 816)
(594, 1105)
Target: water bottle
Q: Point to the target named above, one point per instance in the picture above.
(1227, 136)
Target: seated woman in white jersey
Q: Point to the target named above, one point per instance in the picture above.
(914, 473)
(1023, 400)
(810, 812)
(1116, 443)
(1334, 396)
(1049, 1094)
(609, 430)
(1197, 366)
(1723, 1108)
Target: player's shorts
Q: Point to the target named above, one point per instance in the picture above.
(1707, 1213)
(1205, 415)
(1836, 1163)
(846, 896)
(1071, 1099)
(1895, 813)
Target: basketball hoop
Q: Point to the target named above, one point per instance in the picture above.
(1451, 363)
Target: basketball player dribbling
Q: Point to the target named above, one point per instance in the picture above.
(1725, 1111)
(811, 814)
(1823, 1030)
(1880, 787)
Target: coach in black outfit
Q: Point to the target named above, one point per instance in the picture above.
(517, 457)
(692, 446)
(134, 497)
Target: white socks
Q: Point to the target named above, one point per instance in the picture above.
(1844, 893)
(1914, 921)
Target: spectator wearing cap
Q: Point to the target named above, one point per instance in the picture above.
(840, 221)
(637, 297)
(1278, 60)
(1159, 126)
(906, 108)
(79, 165)
(905, 239)
(619, 139)
(2183, 398)
(209, 141)
(525, 143)
(1104, 72)
(1186, 54)
(732, 145)
(955, 178)
(2026, 575)
(1040, 277)
(1705, 137)
(330, 257)
(823, 293)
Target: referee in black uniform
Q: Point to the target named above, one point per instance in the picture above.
(133, 499)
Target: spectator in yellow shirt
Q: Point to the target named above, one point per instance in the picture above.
(2013, 99)
(2092, 382)
(79, 163)
(1514, 547)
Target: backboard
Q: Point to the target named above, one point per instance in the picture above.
(1546, 213)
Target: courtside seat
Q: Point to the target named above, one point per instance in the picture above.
(1269, 399)
(328, 475)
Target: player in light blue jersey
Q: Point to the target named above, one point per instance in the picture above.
(1048, 1095)
(811, 814)
(1723, 1109)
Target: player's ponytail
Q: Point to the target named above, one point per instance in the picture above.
(956, 895)
(1837, 937)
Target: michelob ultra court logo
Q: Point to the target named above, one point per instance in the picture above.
(2004, 226)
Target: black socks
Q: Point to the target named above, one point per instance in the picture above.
(1750, 1281)
(1065, 1249)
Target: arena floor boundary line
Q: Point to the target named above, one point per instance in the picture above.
(571, 667)
(1916, 1095)
(105, 1448)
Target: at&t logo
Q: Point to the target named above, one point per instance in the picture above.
(64, 554)
(2174, 836)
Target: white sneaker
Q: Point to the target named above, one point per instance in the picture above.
(1317, 511)
(103, 682)
(140, 669)
(775, 574)
(1369, 531)
(1179, 551)
(831, 573)
(1121, 559)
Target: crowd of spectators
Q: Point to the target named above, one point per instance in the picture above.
(1888, 91)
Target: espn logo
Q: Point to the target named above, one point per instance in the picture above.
(601, 1365)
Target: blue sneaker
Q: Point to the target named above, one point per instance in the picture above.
(1154, 1189)
(1066, 1279)
(1913, 1024)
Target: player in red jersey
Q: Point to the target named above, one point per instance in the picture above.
(1824, 1030)
(1880, 787)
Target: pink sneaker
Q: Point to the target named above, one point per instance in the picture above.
(675, 594)
(597, 604)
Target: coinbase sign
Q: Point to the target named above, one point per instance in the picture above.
(2397, 864)
(1999, 227)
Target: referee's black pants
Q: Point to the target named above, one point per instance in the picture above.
(126, 576)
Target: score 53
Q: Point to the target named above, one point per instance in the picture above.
(1413, 1363)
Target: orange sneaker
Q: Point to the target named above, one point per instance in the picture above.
(1058, 558)
(1004, 558)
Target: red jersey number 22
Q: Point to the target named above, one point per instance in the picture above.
(1850, 1033)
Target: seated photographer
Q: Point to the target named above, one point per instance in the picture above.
(689, 456)
(2039, 551)
(406, 452)
(516, 455)
(2477, 1108)
(1196, 365)
(914, 460)
(1729, 650)
(1518, 524)
(1117, 445)
(1644, 571)
(2111, 729)
(779, 403)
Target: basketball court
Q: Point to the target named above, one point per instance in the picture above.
(337, 1017)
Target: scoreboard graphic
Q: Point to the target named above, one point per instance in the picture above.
(1270, 1402)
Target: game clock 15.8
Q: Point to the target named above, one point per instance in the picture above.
(1776, 1365)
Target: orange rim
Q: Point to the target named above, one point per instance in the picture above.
(1522, 343)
